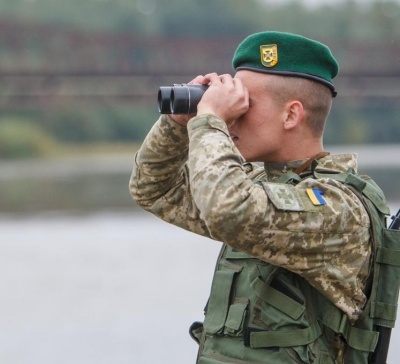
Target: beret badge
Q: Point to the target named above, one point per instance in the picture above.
(269, 55)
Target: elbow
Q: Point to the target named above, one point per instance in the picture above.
(138, 193)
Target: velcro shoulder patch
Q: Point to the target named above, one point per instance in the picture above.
(284, 197)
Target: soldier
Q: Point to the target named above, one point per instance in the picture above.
(293, 274)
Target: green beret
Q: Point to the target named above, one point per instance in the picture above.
(287, 55)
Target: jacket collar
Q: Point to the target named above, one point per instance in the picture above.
(333, 163)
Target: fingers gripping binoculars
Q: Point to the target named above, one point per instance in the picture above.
(180, 98)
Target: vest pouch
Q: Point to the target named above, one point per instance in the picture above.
(275, 302)
(234, 325)
(281, 312)
(384, 303)
(219, 301)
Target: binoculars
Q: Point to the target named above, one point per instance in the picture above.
(180, 98)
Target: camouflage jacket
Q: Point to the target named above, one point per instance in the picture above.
(196, 178)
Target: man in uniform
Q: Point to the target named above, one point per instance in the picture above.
(293, 274)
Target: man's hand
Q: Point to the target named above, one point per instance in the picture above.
(184, 119)
(225, 98)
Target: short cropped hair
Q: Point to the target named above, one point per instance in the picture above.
(315, 98)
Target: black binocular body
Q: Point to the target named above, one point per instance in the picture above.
(180, 98)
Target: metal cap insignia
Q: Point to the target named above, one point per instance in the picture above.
(269, 55)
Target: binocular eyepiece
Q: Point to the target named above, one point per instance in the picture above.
(180, 98)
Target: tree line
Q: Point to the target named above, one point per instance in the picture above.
(345, 20)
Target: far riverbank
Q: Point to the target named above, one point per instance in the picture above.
(100, 181)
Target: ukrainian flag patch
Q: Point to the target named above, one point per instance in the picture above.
(315, 196)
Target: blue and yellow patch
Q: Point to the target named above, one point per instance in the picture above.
(315, 196)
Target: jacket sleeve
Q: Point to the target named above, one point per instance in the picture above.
(159, 181)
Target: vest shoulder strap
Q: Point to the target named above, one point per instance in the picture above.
(363, 184)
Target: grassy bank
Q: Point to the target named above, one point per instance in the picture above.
(76, 178)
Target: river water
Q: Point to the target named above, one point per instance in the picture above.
(113, 287)
(102, 288)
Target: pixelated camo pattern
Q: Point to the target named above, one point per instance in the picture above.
(206, 187)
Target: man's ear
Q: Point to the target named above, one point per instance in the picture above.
(295, 113)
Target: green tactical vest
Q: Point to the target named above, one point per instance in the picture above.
(260, 313)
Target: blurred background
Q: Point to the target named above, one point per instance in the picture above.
(86, 276)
